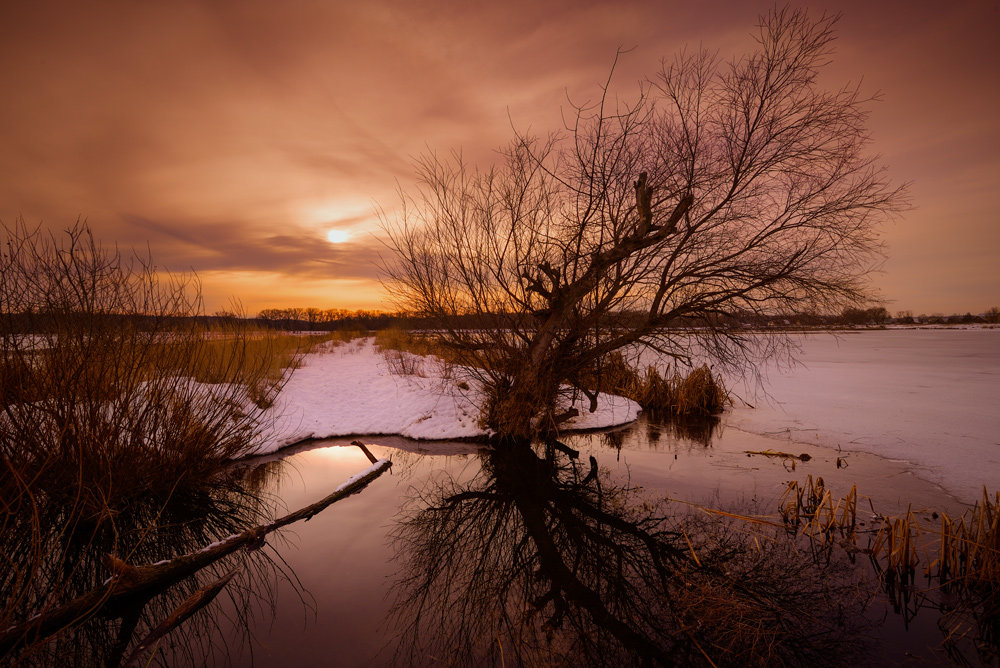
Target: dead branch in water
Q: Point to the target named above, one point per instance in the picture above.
(788, 459)
(777, 453)
(129, 583)
(191, 605)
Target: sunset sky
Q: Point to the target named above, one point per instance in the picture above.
(232, 137)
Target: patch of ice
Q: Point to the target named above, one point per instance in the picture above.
(929, 397)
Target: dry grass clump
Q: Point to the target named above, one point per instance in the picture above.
(963, 552)
(968, 568)
(970, 545)
(395, 338)
(964, 569)
(961, 557)
(268, 353)
(697, 394)
(339, 336)
(967, 552)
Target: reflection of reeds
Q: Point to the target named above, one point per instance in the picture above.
(970, 545)
(699, 429)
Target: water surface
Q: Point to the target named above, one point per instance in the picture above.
(352, 560)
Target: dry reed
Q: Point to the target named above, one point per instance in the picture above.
(697, 394)
(970, 545)
(407, 353)
(812, 509)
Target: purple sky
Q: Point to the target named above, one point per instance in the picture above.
(232, 136)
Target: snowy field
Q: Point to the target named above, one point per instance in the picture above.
(930, 397)
(348, 389)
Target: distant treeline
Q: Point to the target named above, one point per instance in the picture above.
(340, 319)
(333, 319)
(314, 319)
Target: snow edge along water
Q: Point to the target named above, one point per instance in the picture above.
(348, 389)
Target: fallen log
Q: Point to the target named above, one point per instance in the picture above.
(129, 583)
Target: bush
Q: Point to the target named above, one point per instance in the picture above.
(109, 378)
(115, 400)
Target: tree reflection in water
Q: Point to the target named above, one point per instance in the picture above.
(542, 559)
(50, 563)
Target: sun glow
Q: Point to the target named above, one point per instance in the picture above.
(337, 236)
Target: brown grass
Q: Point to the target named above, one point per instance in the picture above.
(960, 556)
(269, 354)
(697, 394)
(339, 336)
(394, 338)
(406, 353)
(970, 545)
(812, 509)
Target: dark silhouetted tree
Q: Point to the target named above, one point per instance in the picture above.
(725, 191)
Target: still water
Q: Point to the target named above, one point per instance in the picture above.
(458, 556)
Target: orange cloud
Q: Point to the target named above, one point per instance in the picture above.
(215, 131)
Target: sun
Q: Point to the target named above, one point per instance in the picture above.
(337, 236)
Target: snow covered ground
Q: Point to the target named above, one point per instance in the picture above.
(930, 397)
(348, 389)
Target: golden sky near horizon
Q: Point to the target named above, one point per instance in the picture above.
(232, 137)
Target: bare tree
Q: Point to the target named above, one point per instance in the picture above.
(725, 191)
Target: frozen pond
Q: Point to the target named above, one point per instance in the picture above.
(925, 399)
(485, 557)
(930, 397)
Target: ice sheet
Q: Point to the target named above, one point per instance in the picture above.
(928, 397)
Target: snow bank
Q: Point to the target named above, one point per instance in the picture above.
(928, 397)
(348, 390)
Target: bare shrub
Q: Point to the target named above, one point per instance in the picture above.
(115, 397)
(402, 363)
